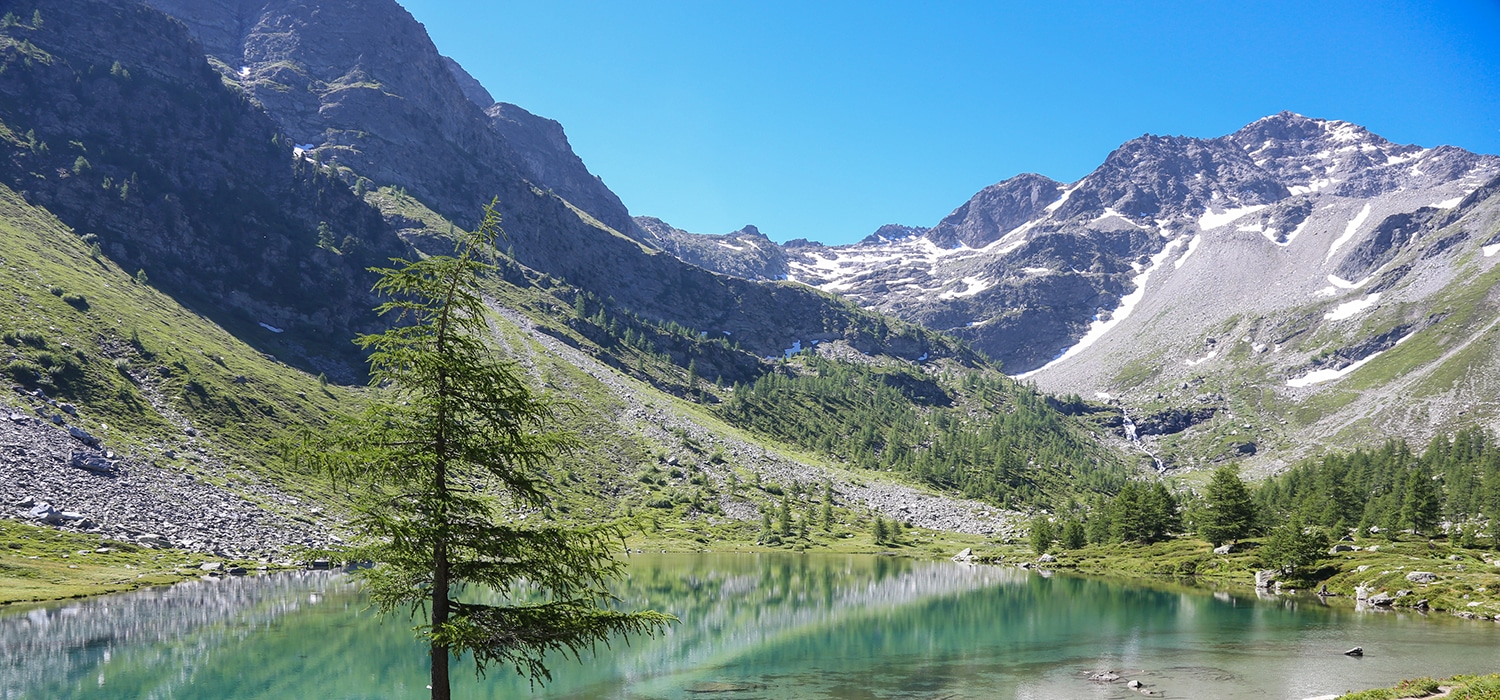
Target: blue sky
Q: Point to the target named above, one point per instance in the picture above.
(826, 119)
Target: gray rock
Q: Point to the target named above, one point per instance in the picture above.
(83, 436)
(1137, 685)
(1340, 548)
(965, 556)
(1356, 651)
(1046, 559)
(1104, 677)
(1381, 600)
(153, 540)
(1421, 577)
(212, 566)
(1402, 593)
(1264, 579)
(27, 502)
(91, 461)
(1224, 549)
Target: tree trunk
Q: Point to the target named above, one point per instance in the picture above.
(440, 690)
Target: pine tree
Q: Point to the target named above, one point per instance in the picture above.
(784, 518)
(881, 532)
(1291, 546)
(1041, 535)
(454, 416)
(1423, 501)
(1228, 512)
(1073, 535)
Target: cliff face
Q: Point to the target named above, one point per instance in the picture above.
(362, 88)
(118, 125)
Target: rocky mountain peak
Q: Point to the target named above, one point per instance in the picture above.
(996, 210)
(891, 233)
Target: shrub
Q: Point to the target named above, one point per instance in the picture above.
(77, 301)
(25, 371)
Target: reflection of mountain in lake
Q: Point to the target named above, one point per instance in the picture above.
(784, 626)
(48, 648)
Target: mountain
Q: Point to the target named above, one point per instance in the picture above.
(191, 195)
(1184, 273)
(362, 90)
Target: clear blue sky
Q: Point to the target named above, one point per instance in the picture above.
(827, 119)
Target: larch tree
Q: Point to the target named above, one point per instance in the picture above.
(453, 444)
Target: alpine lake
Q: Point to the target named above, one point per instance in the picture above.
(752, 626)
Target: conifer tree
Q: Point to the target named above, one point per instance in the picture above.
(1041, 535)
(454, 441)
(1423, 501)
(1228, 512)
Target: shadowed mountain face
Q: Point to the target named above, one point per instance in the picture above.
(250, 136)
(119, 126)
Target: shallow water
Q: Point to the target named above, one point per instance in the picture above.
(753, 626)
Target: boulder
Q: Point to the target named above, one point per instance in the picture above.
(1421, 604)
(1402, 593)
(1339, 548)
(1224, 549)
(91, 461)
(27, 502)
(46, 513)
(236, 571)
(1046, 559)
(1104, 677)
(965, 557)
(1135, 684)
(1356, 651)
(212, 566)
(1264, 579)
(1421, 577)
(1382, 600)
(152, 540)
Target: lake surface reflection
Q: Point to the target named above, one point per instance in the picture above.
(753, 626)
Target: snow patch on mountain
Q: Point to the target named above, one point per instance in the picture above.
(972, 286)
(1127, 304)
(1327, 375)
(1349, 231)
(1191, 246)
(1350, 309)
(1211, 220)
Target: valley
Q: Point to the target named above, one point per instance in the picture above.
(1297, 322)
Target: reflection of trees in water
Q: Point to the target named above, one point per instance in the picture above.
(59, 645)
(830, 617)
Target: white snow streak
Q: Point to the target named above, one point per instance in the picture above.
(1127, 304)
(972, 286)
(1349, 230)
(1342, 283)
(1448, 203)
(1490, 250)
(1211, 220)
(1349, 309)
(271, 328)
(1328, 375)
(1310, 187)
(1194, 363)
(1069, 192)
(1192, 246)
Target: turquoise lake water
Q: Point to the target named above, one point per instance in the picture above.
(753, 626)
